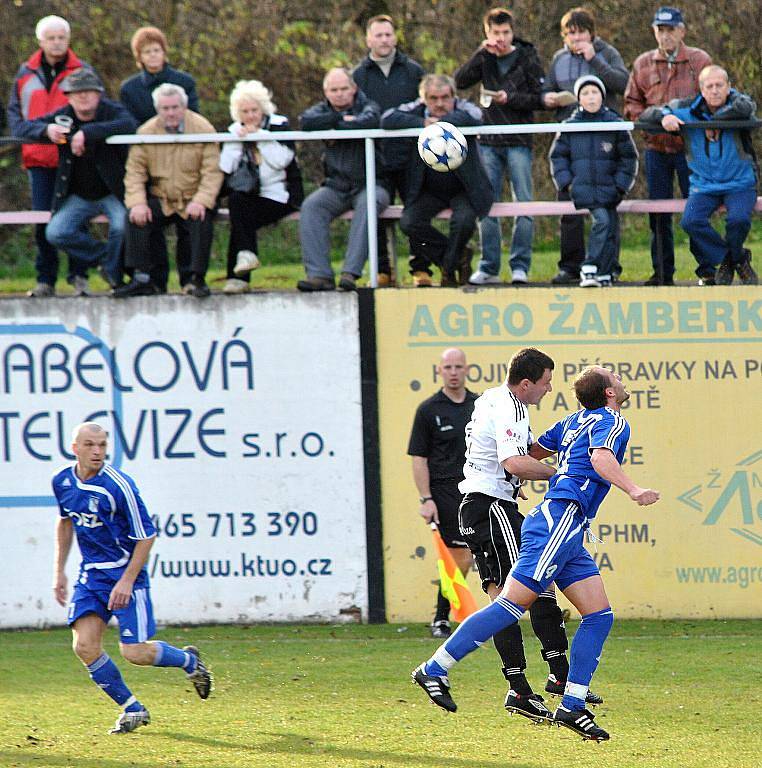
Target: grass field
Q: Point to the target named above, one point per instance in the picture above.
(678, 694)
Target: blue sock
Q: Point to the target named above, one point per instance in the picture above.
(473, 633)
(108, 678)
(586, 650)
(169, 656)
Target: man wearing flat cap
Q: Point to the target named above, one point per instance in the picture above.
(89, 180)
(668, 72)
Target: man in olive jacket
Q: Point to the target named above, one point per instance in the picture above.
(170, 183)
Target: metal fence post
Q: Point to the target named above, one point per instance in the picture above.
(370, 193)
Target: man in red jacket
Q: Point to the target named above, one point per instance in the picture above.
(36, 92)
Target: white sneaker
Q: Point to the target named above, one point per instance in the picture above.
(519, 277)
(234, 285)
(605, 281)
(245, 261)
(588, 278)
(482, 278)
(80, 285)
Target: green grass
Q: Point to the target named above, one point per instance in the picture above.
(281, 257)
(678, 695)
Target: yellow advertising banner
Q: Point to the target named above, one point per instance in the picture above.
(692, 360)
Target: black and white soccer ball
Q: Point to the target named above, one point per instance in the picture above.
(442, 146)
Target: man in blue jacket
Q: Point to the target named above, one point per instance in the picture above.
(343, 108)
(724, 171)
(466, 189)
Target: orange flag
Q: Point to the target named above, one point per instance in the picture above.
(452, 580)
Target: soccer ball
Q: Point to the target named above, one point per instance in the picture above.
(442, 147)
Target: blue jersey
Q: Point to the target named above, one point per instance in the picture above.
(574, 439)
(108, 516)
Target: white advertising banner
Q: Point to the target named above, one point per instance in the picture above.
(240, 421)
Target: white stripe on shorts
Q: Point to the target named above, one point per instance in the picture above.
(557, 538)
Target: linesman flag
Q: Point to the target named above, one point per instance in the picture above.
(452, 581)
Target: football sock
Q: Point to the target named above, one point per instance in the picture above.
(443, 607)
(473, 633)
(548, 625)
(106, 675)
(510, 645)
(586, 650)
(169, 656)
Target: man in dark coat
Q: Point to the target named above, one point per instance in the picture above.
(90, 178)
(466, 190)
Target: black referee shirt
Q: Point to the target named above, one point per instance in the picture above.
(439, 434)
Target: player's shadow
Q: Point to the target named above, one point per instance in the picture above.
(296, 744)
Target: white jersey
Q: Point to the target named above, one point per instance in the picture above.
(499, 429)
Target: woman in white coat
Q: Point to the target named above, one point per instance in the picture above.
(279, 190)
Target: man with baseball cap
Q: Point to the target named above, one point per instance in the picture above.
(90, 176)
(668, 72)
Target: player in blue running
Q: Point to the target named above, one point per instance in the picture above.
(590, 444)
(115, 534)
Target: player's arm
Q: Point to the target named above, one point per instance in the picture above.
(536, 451)
(528, 468)
(428, 510)
(121, 594)
(64, 537)
(605, 464)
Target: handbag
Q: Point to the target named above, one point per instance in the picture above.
(245, 178)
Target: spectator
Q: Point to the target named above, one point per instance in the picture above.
(723, 172)
(596, 169)
(344, 108)
(170, 183)
(583, 53)
(90, 178)
(279, 188)
(668, 72)
(390, 78)
(149, 49)
(36, 92)
(466, 190)
(511, 77)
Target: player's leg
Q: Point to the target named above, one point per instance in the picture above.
(587, 593)
(137, 625)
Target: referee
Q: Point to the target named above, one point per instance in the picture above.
(438, 446)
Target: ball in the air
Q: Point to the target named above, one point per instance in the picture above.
(442, 146)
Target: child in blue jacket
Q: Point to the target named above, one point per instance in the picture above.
(598, 168)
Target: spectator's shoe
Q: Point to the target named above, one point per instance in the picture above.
(245, 261)
(234, 285)
(464, 269)
(483, 278)
(79, 285)
(201, 677)
(422, 280)
(745, 270)
(440, 629)
(724, 274)
(519, 277)
(654, 280)
(588, 278)
(707, 280)
(530, 706)
(129, 721)
(605, 281)
(437, 688)
(41, 291)
(347, 282)
(112, 282)
(134, 288)
(384, 280)
(564, 278)
(199, 289)
(556, 687)
(314, 284)
(449, 280)
(580, 721)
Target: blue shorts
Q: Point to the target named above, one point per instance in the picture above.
(552, 547)
(136, 623)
